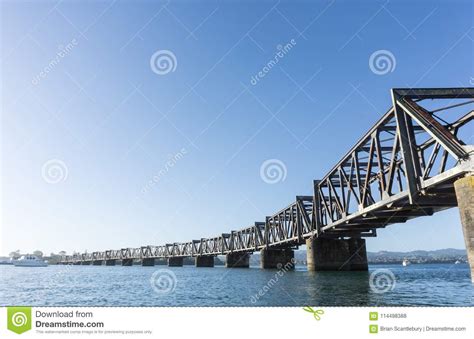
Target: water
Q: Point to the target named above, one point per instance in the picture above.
(434, 285)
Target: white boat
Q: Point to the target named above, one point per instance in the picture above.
(457, 262)
(30, 261)
(406, 262)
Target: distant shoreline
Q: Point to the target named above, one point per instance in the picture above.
(441, 256)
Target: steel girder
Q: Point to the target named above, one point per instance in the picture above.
(389, 175)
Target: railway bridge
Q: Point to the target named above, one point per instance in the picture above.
(415, 161)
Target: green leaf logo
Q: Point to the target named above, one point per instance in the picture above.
(19, 319)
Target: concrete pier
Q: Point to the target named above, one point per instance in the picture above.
(336, 254)
(97, 262)
(127, 262)
(277, 258)
(465, 196)
(110, 262)
(237, 260)
(148, 262)
(205, 261)
(175, 261)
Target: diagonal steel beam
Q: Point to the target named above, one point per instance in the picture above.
(440, 133)
(408, 148)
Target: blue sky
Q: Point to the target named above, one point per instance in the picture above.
(79, 94)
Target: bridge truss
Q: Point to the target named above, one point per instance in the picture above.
(404, 167)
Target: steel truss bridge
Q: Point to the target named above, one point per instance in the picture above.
(404, 167)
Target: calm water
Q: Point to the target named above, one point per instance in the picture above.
(443, 285)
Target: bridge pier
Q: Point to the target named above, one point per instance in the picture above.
(465, 196)
(110, 262)
(235, 260)
(148, 262)
(85, 262)
(175, 261)
(76, 263)
(336, 254)
(277, 258)
(97, 263)
(205, 261)
(127, 262)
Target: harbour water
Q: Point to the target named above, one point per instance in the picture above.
(383, 285)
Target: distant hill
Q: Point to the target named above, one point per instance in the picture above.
(436, 256)
(387, 257)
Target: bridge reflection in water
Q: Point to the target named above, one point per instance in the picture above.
(415, 161)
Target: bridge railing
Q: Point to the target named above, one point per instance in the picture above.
(291, 224)
(248, 239)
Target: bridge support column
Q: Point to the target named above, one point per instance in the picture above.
(277, 258)
(148, 262)
(77, 263)
(175, 261)
(110, 262)
(235, 260)
(336, 254)
(205, 261)
(127, 262)
(465, 196)
(97, 263)
(85, 262)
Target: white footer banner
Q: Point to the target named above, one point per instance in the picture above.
(236, 322)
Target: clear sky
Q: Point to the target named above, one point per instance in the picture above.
(106, 145)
